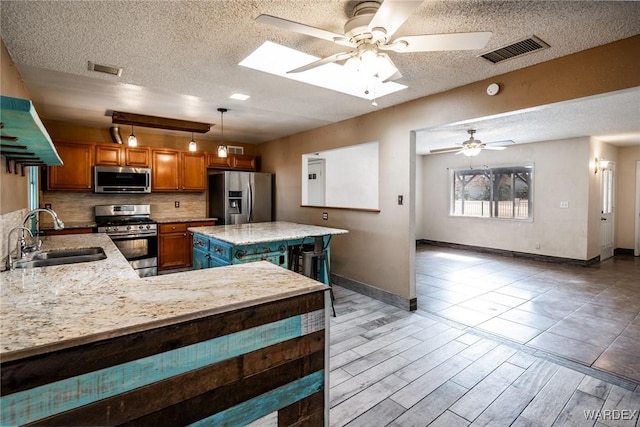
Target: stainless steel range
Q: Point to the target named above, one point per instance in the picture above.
(133, 232)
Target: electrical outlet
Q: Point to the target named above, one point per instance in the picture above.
(325, 216)
(564, 205)
(177, 204)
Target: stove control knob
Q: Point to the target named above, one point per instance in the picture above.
(148, 227)
(128, 227)
(141, 227)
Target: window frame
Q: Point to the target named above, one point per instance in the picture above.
(531, 193)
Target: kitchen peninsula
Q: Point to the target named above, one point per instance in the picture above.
(94, 344)
(270, 241)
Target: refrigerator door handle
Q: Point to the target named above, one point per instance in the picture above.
(250, 200)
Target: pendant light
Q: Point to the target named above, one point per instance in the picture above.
(192, 144)
(222, 149)
(133, 141)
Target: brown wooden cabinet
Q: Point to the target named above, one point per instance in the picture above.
(119, 155)
(194, 171)
(175, 244)
(65, 231)
(174, 170)
(75, 173)
(233, 161)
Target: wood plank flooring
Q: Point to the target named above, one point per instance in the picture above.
(390, 367)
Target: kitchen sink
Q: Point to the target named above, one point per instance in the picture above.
(63, 256)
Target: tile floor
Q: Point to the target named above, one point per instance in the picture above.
(589, 315)
(478, 364)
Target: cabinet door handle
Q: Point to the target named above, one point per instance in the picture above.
(184, 235)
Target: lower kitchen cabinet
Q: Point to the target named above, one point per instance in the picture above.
(175, 244)
(65, 231)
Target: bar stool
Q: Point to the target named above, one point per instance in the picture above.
(311, 259)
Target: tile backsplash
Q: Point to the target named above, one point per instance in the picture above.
(77, 207)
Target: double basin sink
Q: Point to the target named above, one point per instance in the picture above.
(60, 257)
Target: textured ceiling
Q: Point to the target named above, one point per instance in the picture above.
(180, 57)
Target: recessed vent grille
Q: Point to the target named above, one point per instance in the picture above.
(105, 69)
(522, 47)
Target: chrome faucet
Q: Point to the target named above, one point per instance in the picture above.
(57, 224)
(20, 245)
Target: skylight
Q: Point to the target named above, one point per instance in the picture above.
(276, 59)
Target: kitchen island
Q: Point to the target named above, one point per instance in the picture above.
(94, 344)
(223, 245)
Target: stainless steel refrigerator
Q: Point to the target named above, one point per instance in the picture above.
(240, 197)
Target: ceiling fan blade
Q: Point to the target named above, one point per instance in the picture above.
(392, 14)
(440, 42)
(494, 148)
(505, 142)
(333, 58)
(308, 30)
(445, 150)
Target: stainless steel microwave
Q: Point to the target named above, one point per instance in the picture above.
(113, 179)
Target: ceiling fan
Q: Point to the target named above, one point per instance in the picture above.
(369, 33)
(472, 146)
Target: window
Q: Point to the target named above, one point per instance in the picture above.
(499, 192)
(33, 187)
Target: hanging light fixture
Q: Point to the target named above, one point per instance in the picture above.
(222, 149)
(133, 141)
(192, 144)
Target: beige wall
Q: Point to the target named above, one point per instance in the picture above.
(62, 131)
(626, 195)
(379, 248)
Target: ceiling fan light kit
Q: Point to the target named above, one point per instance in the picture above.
(369, 34)
(472, 147)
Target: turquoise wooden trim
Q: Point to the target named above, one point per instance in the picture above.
(266, 403)
(70, 393)
(21, 120)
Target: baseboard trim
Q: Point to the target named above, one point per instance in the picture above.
(623, 251)
(513, 254)
(375, 293)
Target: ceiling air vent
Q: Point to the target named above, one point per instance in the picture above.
(105, 69)
(522, 47)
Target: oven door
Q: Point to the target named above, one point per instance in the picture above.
(140, 251)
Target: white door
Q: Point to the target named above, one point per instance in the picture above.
(316, 182)
(607, 198)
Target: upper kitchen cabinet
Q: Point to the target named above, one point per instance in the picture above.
(119, 155)
(174, 170)
(75, 174)
(194, 171)
(233, 162)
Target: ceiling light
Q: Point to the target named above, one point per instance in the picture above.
(470, 152)
(276, 59)
(192, 144)
(240, 96)
(133, 141)
(222, 149)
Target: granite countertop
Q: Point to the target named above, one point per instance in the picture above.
(48, 308)
(260, 232)
(171, 220)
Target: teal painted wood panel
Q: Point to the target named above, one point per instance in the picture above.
(264, 404)
(41, 402)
